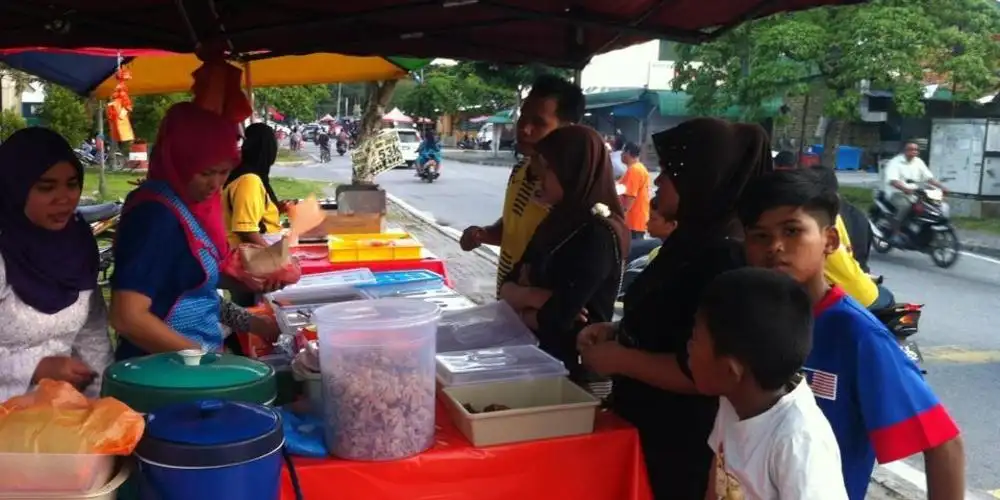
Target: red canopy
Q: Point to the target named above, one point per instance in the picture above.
(559, 32)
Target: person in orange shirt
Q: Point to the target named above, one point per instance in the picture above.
(635, 199)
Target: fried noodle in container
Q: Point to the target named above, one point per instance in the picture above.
(254, 264)
(378, 372)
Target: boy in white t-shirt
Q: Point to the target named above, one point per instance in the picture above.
(751, 337)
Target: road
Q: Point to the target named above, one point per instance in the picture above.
(959, 329)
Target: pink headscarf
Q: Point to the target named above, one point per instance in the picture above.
(190, 141)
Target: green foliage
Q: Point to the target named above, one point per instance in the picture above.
(66, 113)
(148, 112)
(890, 44)
(10, 122)
(446, 90)
(511, 77)
(298, 102)
(21, 79)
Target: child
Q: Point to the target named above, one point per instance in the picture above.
(770, 439)
(877, 402)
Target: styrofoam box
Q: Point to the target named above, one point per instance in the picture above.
(65, 474)
(540, 409)
(107, 491)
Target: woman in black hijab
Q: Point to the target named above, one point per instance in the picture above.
(705, 165)
(574, 260)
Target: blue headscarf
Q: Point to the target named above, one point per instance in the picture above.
(47, 269)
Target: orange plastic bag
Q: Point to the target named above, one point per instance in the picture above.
(56, 418)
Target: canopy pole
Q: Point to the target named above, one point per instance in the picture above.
(248, 83)
(102, 147)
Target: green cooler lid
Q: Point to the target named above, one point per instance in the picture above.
(150, 382)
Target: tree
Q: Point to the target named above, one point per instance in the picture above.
(21, 79)
(298, 102)
(446, 90)
(10, 122)
(148, 111)
(66, 113)
(887, 45)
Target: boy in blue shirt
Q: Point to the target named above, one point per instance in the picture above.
(875, 398)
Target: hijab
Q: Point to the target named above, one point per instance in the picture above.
(46, 269)
(190, 141)
(709, 161)
(577, 156)
(259, 151)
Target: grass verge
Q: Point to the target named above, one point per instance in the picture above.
(287, 155)
(861, 197)
(118, 185)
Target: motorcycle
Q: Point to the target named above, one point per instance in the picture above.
(927, 228)
(902, 320)
(429, 171)
(103, 218)
(341, 148)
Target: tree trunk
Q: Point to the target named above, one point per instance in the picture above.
(379, 94)
(831, 139)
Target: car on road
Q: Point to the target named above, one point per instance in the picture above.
(409, 142)
(309, 132)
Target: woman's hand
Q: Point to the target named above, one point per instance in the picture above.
(284, 204)
(592, 335)
(265, 327)
(66, 369)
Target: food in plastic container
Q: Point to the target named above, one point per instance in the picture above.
(491, 325)
(499, 364)
(105, 489)
(54, 472)
(377, 364)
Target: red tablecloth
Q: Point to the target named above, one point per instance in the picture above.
(605, 465)
(315, 259)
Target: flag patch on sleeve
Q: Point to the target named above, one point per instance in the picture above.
(823, 384)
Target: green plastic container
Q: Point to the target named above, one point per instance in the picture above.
(150, 382)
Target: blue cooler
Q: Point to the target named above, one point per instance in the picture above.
(211, 450)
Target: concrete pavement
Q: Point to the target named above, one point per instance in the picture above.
(957, 328)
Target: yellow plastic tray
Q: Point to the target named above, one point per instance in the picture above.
(367, 250)
(386, 236)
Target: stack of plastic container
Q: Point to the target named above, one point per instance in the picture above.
(512, 394)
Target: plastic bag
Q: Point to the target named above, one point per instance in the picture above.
(242, 265)
(303, 434)
(56, 418)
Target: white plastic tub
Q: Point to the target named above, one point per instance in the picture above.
(107, 492)
(539, 409)
(62, 475)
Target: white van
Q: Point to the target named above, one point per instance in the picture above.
(409, 142)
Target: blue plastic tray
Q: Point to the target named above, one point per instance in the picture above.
(399, 282)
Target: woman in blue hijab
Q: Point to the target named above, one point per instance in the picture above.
(54, 317)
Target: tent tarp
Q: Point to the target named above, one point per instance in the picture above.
(92, 71)
(507, 31)
(634, 102)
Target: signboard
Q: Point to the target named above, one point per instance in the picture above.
(378, 153)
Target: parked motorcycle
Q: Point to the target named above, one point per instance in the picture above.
(927, 228)
(902, 320)
(467, 144)
(429, 171)
(103, 218)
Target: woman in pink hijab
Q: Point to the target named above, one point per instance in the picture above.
(171, 241)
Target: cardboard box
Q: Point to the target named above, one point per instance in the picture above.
(336, 223)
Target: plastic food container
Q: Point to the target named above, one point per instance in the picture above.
(390, 235)
(500, 364)
(370, 250)
(377, 363)
(313, 296)
(491, 325)
(402, 282)
(49, 473)
(107, 491)
(539, 409)
(315, 285)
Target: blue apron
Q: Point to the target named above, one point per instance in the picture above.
(195, 314)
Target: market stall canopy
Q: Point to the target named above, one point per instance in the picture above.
(559, 32)
(91, 71)
(502, 118)
(396, 116)
(327, 119)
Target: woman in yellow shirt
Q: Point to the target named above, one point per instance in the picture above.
(252, 208)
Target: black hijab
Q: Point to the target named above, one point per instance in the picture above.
(260, 149)
(709, 161)
(576, 154)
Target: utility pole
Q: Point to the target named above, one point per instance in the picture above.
(340, 89)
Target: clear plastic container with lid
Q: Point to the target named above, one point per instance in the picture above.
(500, 364)
(377, 364)
(486, 326)
(331, 287)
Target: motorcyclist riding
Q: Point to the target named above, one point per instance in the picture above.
(901, 177)
(323, 141)
(429, 149)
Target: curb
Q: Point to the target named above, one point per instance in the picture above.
(979, 249)
(895, 481)
(487, 163)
